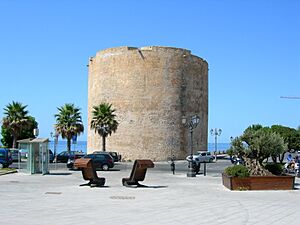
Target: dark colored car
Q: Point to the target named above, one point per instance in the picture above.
(65, 156)
(15, 154)
(72, 158)
(51, 156)
(102, 160)
(114, 155)
(5, 158)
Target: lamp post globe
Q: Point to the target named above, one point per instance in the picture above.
(216, 132)
(36, 132)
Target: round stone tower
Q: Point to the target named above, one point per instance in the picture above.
(152, 89)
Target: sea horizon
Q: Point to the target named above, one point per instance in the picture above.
(82, 146)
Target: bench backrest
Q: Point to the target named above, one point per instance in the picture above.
(83, 163)
(87, 168)
(139, 169)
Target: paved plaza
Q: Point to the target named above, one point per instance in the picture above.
(170, 199)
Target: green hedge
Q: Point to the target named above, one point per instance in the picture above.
(237, 171)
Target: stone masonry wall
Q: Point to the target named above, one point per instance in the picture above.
(152, 89)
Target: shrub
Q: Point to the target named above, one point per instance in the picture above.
(229, 152)
(237, 171)
(256, 145)
(274, 168)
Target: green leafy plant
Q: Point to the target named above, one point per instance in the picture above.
(230, 152)
(26, 132)
(256, 145)
(291, 137)
(274, 168)
(237, 171)
(16, 124)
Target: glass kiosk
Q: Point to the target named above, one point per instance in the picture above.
(36, 154)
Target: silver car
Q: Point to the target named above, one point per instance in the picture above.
(202, 156)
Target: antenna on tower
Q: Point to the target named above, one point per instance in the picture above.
(290, 97)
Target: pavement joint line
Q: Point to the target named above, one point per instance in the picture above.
(122, 197)
(53, 193)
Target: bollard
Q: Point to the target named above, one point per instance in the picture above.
(198, 168)
(204, 169)
(173, 166)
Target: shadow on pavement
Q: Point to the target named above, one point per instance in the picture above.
(59, 173)
(297, 186)
(157, 186)
(146, 186)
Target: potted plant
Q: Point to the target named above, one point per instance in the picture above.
(255, 146)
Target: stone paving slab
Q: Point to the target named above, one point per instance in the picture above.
(171, 199)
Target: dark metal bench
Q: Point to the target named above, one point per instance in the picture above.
(138, 173)
(89, 172)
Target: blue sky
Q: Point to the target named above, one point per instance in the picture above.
(252, 48)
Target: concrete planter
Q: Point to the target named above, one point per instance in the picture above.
(259, 182)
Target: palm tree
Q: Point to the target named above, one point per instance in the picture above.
(68, 123)
(103, 121)
(16, 120)
(26, 132)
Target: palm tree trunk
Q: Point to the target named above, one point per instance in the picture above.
(69, 144)
(15, 138)
(103, 143)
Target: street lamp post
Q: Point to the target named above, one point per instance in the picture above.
(55, 143)
(216, 132)
(192, 125)
(51, 135)
(55, 138)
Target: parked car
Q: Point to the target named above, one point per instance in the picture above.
(5, 158)
(102, 160)
(15, 154)
(72, 158)
(114, 155)
(202, 156)
(237, 160)
(51, 156)
(65, 156)
(24, 153)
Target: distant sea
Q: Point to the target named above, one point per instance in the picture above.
(82, 146)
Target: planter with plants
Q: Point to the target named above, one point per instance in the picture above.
(255, 146)
(238, 178)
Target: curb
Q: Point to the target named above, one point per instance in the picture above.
(7, 172)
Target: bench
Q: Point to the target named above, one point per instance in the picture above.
(89, 172)
(138, 173)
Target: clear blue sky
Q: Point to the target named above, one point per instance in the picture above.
(252, 47)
